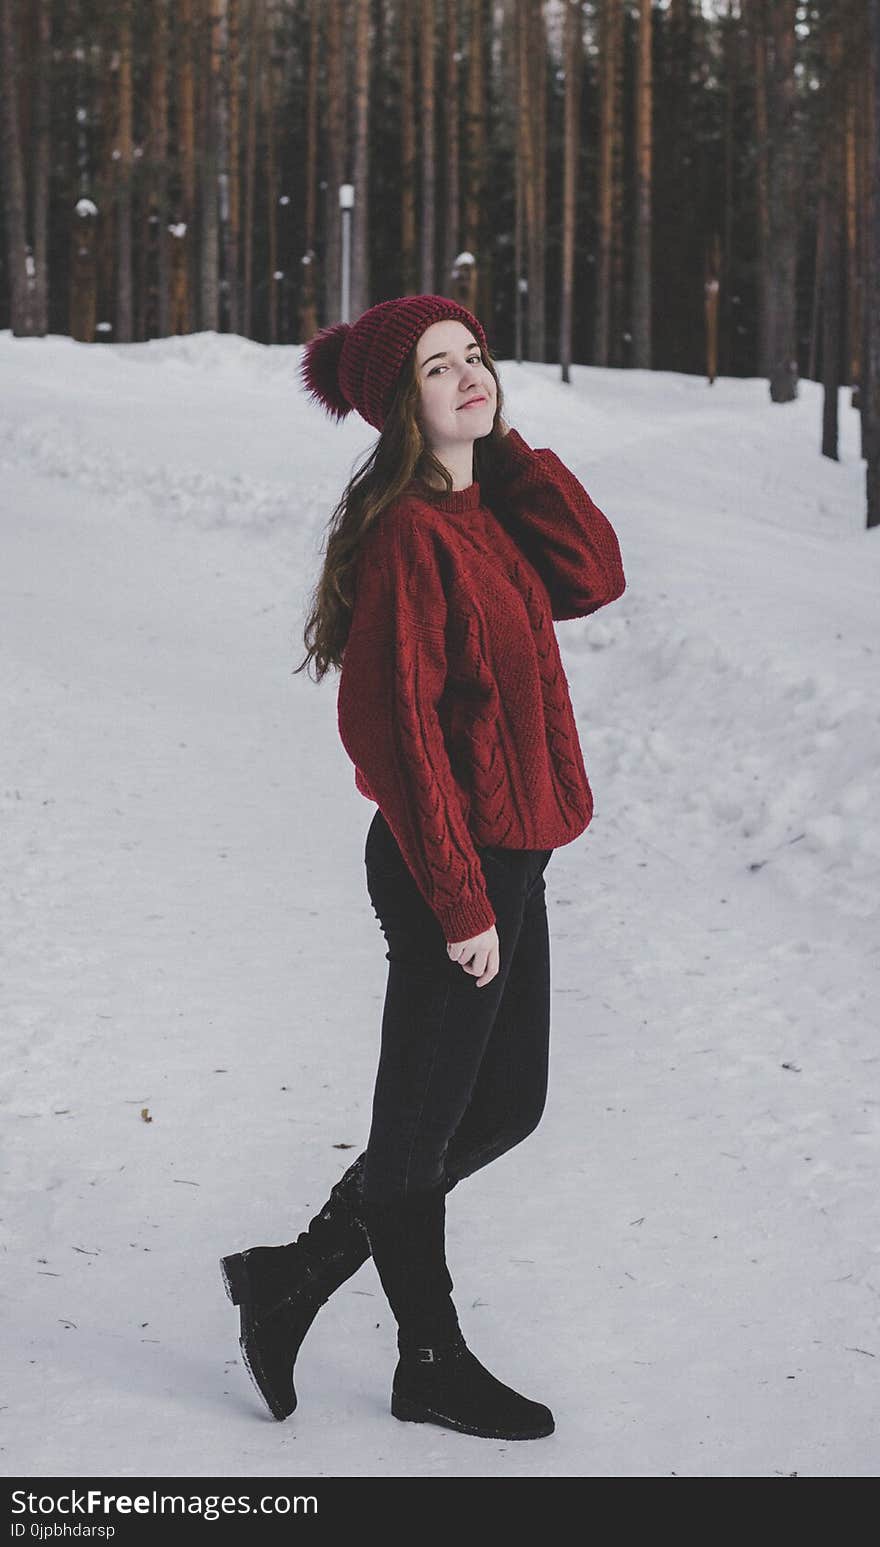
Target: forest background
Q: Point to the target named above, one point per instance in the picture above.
(672, 185)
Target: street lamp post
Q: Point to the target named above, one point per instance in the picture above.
(346, 204)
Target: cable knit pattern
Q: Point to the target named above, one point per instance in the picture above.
(565, 535)
(453, 701)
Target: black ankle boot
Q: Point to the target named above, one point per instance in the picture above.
(447, 1385)
(280, 1289)
(438, 1379)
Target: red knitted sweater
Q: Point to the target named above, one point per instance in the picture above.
(453, 703)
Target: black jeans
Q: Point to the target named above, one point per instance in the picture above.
(462, 1073)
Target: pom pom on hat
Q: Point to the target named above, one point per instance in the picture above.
(319, 369)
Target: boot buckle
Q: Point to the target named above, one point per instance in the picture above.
(426, 1355)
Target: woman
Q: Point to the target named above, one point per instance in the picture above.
(450, 553)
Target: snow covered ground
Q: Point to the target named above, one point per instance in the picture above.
(684, 1259)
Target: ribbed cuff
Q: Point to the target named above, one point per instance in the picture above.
(466, 919)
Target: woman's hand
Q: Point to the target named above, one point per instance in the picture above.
(479, 956)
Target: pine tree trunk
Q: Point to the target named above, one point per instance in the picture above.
(123, 156)
(732, 72)
(818, 271)
(106, 94)
(859, 237)
(641, 303)
(308, 290)
(407, 151)
(22, 300)
(183, 246)
(284, 213)
(82, 290)
(233, 166)
(619, 354)
(451, 159)
(536, 61)
(208, 54)
(82, 307)
(157, 309)
(678, 227)
(711, 290)
(831, 300)
(607, 81)
(472, 281)
(867, 241)
(360, 248)
(519, 215)
(758, 22)
(872, 308)
(337, 156)
(268, 103)
(572, 65)
(429, 172)
(220, 94)
(530, 162)
(853, 362)
(255, 45)
(783, 207)
(42, 156)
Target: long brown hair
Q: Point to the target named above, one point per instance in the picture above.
(399, 456)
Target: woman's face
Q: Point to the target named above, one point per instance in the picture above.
(451, 372)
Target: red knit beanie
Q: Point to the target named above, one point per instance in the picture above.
(356, 365)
